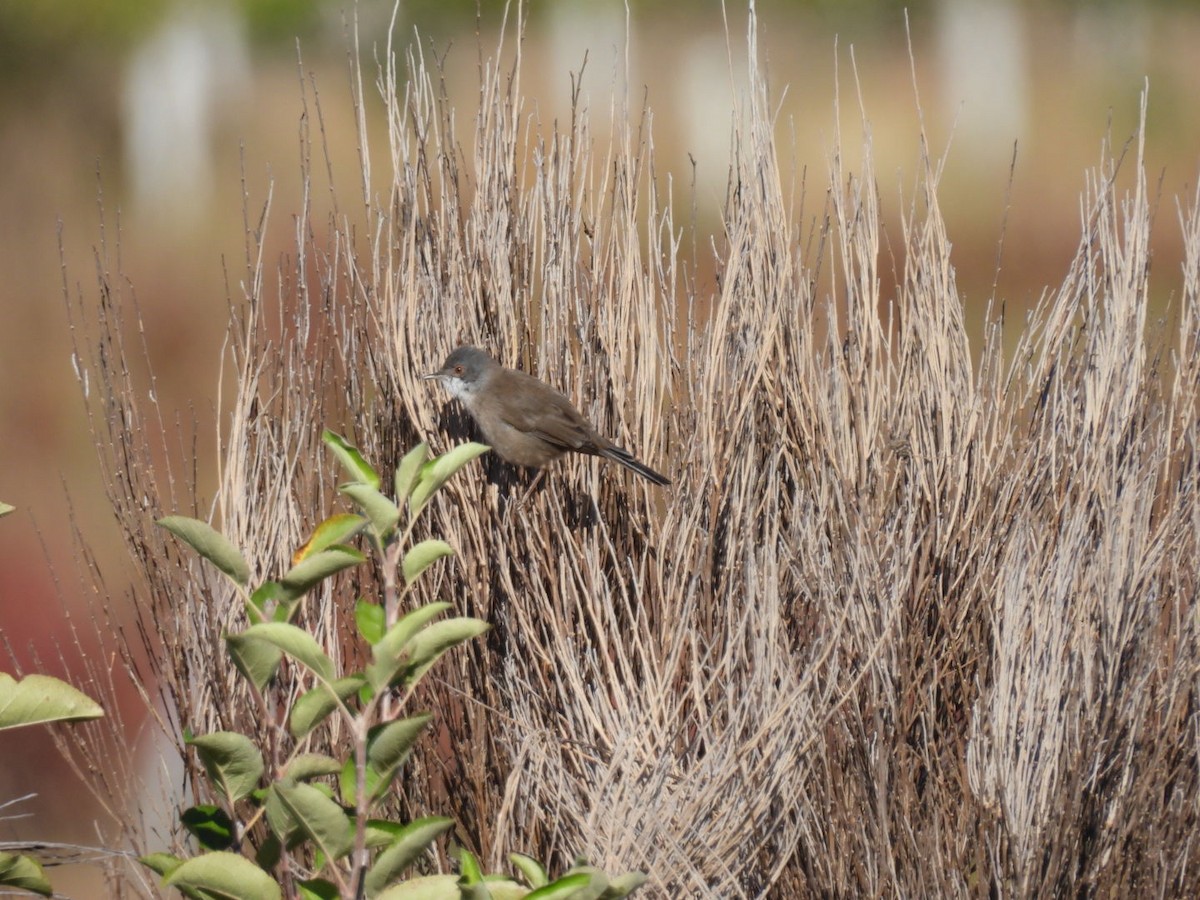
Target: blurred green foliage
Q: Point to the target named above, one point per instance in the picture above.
(58, 35)
(50, 32)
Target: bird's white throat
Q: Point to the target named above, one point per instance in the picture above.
(460, 389)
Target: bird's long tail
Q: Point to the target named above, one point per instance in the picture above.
(625, 458)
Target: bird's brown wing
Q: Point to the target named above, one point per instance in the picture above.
(551, 417)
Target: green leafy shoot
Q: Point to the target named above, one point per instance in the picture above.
(295, 795)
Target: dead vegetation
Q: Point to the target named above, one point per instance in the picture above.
(915, 619)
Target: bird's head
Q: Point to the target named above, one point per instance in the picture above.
(464, 372)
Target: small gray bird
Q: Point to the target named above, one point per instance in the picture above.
(524, 420)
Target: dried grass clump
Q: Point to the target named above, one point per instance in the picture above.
(912, 621)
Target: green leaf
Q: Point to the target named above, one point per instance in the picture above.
(383, 513)
(567, 886)
(232, 761)
(321, 819)
(531, 870)
(37, 699)
(382, 833)
(224, 875)
(420, 557)
(348, 782)
(596, 886)
(272, 602)
(390, 653)
(307, 766)
(6, 508)
(337, 529)
(161, 863)
(318, 889)
(624, 885)
(265, 602)
(296, 643)
(428, 645)
(413, 840)
(389, 747)
(269, 852)
(257, 660)
(370, 619)
(283, 824)
(409, 626)
(210, 544)
(426, 887)
(468, 867)
(500, 888)
(409, 468)
(314, 706)
(210, 825)
(349, 456)
(24, 872)
(435, 474)
(302, 576)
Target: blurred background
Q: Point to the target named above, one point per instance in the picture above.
(160, 120)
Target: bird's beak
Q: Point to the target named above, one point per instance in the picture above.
(431, 376)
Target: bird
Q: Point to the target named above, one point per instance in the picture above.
(526, 421)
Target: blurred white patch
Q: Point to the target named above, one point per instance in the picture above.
(983, 55)
(1113, 40)
(177, 84)
(703, 105)
(579, 27)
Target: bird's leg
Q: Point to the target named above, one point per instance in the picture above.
(529, 490)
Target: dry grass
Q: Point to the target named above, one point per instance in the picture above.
(913, 620)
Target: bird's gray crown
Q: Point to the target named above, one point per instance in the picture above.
(467, 363)
(464, 370)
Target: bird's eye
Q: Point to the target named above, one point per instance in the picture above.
(458, 370)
